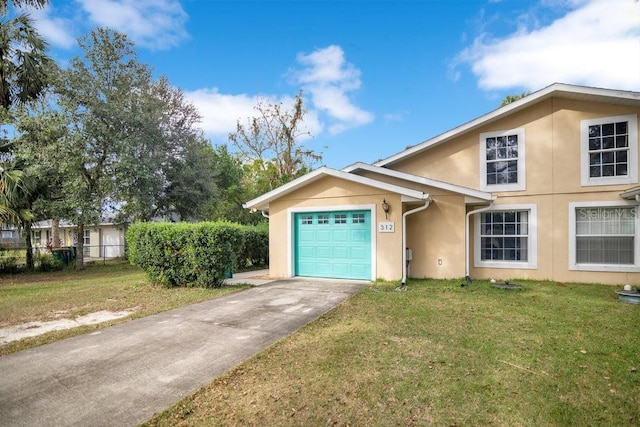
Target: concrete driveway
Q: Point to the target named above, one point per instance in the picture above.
(122, 375)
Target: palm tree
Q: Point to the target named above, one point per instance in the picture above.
(38, 4)
(24, 63)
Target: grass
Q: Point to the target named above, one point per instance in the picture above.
(119, 286)
(438, 354)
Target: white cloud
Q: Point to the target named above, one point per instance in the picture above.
(55, 29)
(156, 24)
(597, 43)
(221, 112)
(328, 79)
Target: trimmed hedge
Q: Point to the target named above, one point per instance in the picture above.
(185, 254)
(255, 250)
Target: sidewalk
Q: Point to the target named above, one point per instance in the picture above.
(256, 278)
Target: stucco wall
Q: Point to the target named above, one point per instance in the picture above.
(553, 180)
(335, 194)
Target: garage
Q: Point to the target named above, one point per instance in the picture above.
(334, 244)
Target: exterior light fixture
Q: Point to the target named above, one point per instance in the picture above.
(385, 208)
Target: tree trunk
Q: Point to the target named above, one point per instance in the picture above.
(80, 248)
(55, 233)
(29, 254)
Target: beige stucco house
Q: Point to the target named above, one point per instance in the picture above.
(543, 188)
(105, 240)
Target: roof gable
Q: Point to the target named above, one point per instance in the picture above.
(262, 202)
(482, 195)
(560, 90)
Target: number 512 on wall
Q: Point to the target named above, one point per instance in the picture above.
(386, 227)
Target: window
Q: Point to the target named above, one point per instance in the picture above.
(358, 218)
(608, 148)
(307, 219)
(502, 165)
(506, 237)
(86, 241)
(603, 236)
(323, 219)
(37, 237)
(340, 218)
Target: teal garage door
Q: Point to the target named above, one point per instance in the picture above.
(333, 244)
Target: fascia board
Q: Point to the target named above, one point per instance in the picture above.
(422, 180)
(262, 202)
(559, 89)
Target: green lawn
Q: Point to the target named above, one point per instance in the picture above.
(119, 286)
(439, 354)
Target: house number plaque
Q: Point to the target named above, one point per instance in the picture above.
(386, 227)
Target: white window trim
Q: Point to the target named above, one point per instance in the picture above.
(632, 176)
(573, 265)
(532, 250)
(521, 184)
(291, 226)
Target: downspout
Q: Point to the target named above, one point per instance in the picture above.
(466, 238)
(404, 237)
(266, 215)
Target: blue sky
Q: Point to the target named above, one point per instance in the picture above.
(377, 76)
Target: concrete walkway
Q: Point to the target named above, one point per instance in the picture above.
(122, 375)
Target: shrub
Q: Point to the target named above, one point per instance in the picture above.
(46, 262)
(185, 254)
(255, 251)
(8, 263)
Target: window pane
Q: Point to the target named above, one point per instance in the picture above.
(607, 129)
(594, 131)
(621, 141)
(621, 127)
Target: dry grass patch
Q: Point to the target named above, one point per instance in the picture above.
(443, 355)
(69, 294)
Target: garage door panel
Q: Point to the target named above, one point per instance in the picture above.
(360, 253)
(307, 252)
(341, 235)
(324, 252)
(323, 235)
(341, 252)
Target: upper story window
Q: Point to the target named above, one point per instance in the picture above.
(502, 165)
(609, 150)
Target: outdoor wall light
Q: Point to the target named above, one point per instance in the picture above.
(385, 208)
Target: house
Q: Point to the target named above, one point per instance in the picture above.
(543, 188)
(105, 240)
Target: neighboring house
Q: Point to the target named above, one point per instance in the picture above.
(10, 236)
(543, 188)
(105, 240)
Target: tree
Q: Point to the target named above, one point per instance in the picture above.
(129, 139)
(271, 141)
(24, 63)
(512, 98)
(98, 96)
(24, 68)
(38, 4)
